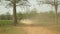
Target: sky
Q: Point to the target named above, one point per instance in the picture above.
(33, 3)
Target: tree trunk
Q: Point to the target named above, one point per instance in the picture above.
(14, 13)
(56, 14)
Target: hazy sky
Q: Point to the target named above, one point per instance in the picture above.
(41, 8)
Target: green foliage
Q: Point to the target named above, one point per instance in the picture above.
(5, 17)
(6, 22)
(26, 14)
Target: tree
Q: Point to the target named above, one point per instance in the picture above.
(0, 2)
(14, 12)
(54, 3)
(56, 8)
(13, 3)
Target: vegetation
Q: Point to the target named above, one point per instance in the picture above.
(6, 22)
(11, 30)
(55, 4)
(46, 18)
(50, 19)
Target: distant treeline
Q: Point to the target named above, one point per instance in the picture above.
(20, 15)
(5, 17)
(25, 15)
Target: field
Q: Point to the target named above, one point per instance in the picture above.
(46, 29)
(11, 30)
(52, 29)
(29, 30)
(6, 22)
(46, 25)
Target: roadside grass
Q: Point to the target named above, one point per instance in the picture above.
(55, 28)
(12, 30)
(6, 22)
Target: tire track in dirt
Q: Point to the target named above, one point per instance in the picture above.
(38, 30)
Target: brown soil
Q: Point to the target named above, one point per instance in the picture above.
(38, 30)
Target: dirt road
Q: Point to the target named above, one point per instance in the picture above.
(38, 30)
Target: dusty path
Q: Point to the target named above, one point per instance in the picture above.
(38, 30)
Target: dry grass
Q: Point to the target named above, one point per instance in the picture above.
(11, 30)
(30, 30)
